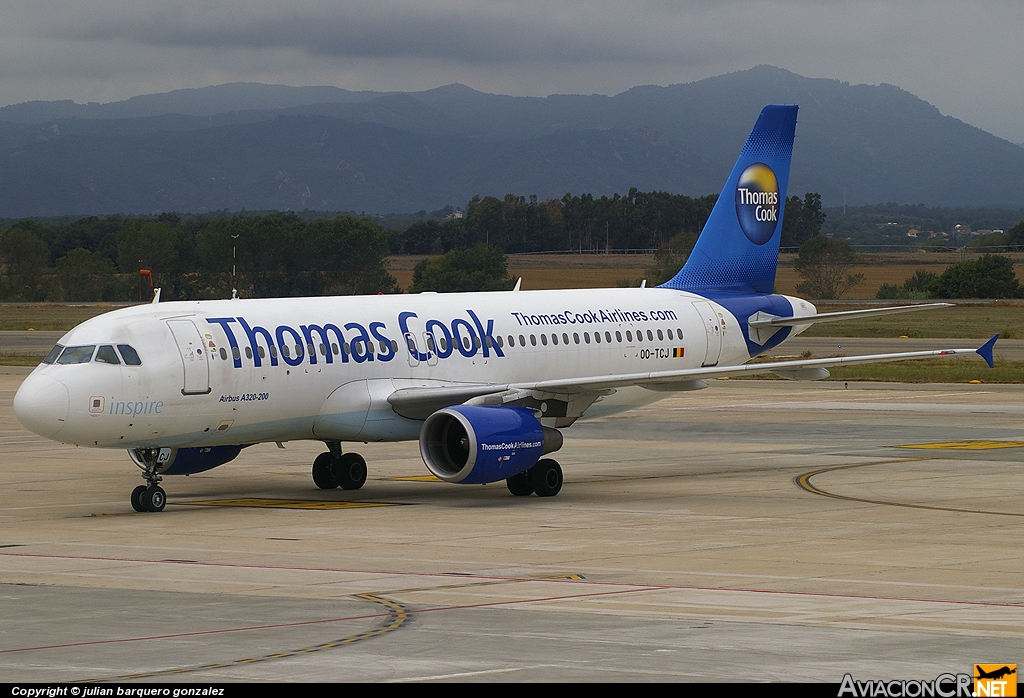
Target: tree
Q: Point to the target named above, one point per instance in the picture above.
(914, 287)
(478, 268)
(801, 220)
(825, 264)
(670, 257)
(1015, 235)
(24, 260)
(88, 276)
(991, 276)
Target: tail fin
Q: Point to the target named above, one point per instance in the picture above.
(738, 250)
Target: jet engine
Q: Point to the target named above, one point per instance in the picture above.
(185, 461)
(469, 445)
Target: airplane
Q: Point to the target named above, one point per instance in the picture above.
(485, 382)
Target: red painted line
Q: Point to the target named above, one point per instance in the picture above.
(449, 575)
(319, 622)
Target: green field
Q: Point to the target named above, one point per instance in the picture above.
(975, 321)
(49, 316)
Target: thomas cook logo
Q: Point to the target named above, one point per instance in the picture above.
(757, 203)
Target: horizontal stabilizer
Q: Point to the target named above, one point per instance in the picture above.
(769, 321)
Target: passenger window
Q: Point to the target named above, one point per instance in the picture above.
(476, 342)
(323, 349)
(544, 339)
(465, 343)
(394, 347)
(261, 352)
(522, 341)
(273, 351)
(248, 352)
(444, 343)
(618, 336)
(223, 354)
(679, 333)
(597, 337)
(234, 354)
(54, 353)
(565, 338)
(576, 337)
(629, 336)
(77, 355)
(608, 337)
(501, 344)
(533, 340)
(586, 337)
(383, 347)
(285, 351)
(105, 354)
(334, 348)
(554, 338)
(661, 337)
(650, 336)
(511, 341)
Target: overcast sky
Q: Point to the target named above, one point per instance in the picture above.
(965, 57)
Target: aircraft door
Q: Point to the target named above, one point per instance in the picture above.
(193, 357)
(414, 352)
(428, 343)
(713, 328)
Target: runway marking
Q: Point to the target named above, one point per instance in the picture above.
(967, 445)
(397, 613)
(414, 478)
(804, 483)
(258, 503)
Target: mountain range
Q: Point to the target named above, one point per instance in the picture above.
(258, 147)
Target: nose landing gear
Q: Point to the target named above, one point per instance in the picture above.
(151, 496)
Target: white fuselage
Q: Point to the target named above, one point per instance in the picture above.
(248, 371)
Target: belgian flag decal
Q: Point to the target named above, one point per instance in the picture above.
(677, 352)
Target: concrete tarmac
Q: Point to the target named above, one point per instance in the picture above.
(756, 530)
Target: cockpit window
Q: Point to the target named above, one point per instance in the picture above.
(106, 354)
(130, 356)
(77, 355)
(54, 353)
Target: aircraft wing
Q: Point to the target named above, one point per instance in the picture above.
(419, 403)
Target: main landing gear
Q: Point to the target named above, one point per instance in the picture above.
(544, 479)
(337, 469)
(151, 496)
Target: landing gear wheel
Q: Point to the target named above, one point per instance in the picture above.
(519, 484)
(154, 498)
(546, 477)
(137, 504)
(323, 472)
(350, 471)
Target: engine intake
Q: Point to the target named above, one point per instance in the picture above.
(469, 445)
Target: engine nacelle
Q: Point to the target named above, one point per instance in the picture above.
(471, 445)
(185, 461)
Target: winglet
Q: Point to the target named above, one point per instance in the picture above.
(985, 350)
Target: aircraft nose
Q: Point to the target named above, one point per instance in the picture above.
(41, 405)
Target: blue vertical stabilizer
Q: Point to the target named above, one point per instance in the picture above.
(738, 250)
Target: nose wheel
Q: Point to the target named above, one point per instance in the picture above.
(151, 496)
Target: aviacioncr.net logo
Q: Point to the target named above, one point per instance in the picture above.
(757, 202)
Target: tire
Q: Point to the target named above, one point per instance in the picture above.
(519, 484)
(546, 477)
(323, 472)
(350, 471)
(154, 498)
(137, 504)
